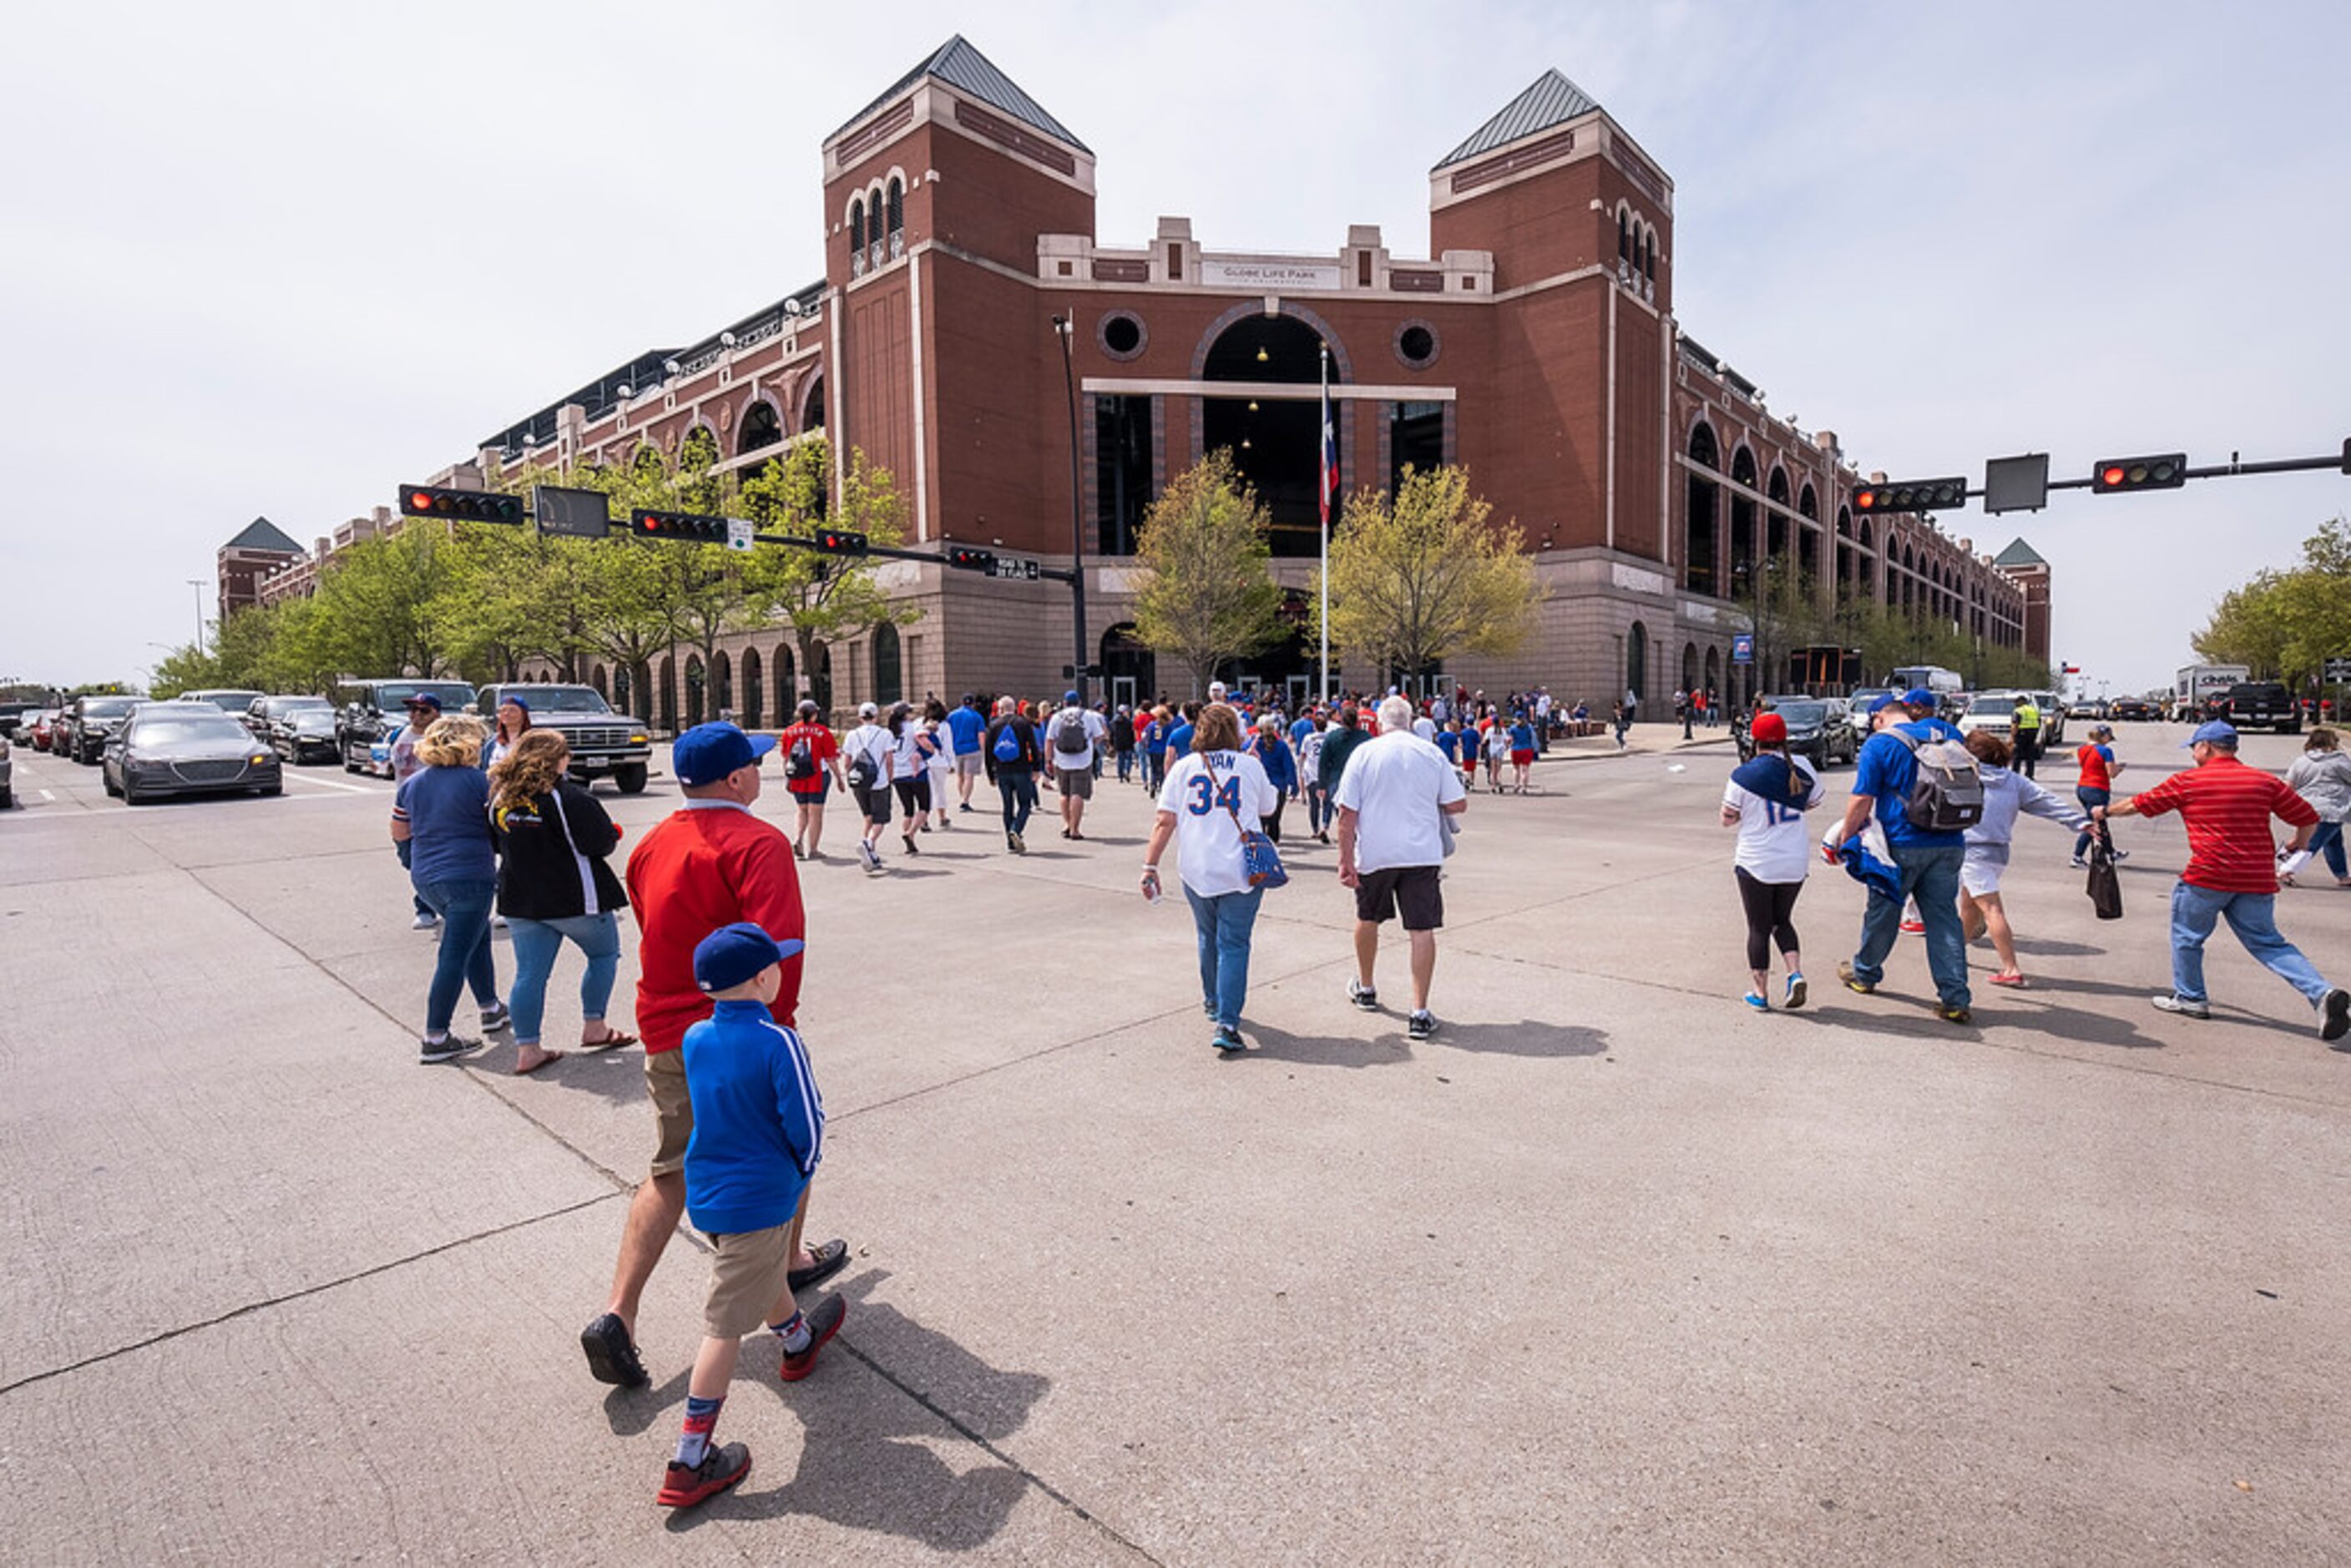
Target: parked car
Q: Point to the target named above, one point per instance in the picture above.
(1818, 730)
(90, 723)
(2259, 704)
(228, 699)
(602, 742)
(370, 711)
(42, 729)
(13, 719)
(299, 729)
(1992, 711)
(8, 776)
(2136, 710)
(186, 748)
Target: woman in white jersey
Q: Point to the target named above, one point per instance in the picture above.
(1210, 792)
(1766, 801)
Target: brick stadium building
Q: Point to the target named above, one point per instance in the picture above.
(1535, 342)
(240, 565)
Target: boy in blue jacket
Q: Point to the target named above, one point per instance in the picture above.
(758, 1131)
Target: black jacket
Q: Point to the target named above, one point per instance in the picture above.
(1033, 755)
(546, 872)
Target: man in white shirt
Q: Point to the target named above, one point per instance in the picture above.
(1071, 736)
(1392, 799)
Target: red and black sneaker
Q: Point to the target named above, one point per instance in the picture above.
(721, 1466)
(823, 1323)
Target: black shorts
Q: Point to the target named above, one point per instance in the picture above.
(872, 804)
(1409, 889)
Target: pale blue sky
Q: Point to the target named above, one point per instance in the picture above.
(1947, 232)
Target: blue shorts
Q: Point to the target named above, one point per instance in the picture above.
(814, 796)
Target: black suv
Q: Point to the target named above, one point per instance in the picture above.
(88, 724)
(370, 711)
(601, 741)
(1819, 730)
(2259, 704)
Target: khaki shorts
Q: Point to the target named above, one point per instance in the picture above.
(1076, 783)
(967, 764)
(672, 1112)
(749, 1273)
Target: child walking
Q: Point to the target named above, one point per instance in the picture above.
(758, 1131)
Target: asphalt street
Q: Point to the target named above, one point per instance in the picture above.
(1610, 1271)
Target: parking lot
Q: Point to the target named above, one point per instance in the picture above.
(1610, 1270)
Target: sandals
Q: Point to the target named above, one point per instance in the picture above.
(546, 1059)
(2012, 978)
(612, 1040)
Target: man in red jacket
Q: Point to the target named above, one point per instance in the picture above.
(708, 865)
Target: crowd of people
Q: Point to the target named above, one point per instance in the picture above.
(490, 826)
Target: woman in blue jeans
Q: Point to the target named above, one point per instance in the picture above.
(1211, 791)
(440, 813)
(554, 883)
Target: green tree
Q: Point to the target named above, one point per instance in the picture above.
(825, 599)
(1428, 577)
(1207, 593)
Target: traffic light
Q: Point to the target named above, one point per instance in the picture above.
(685, 527)
(463, 506)
(2167, 472)
(971, 559)
(838, 541)
(1911, 496)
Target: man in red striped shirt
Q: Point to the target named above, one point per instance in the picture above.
(2232, 874)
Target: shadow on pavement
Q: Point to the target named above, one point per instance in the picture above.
(871, 1463)
(2046, 947)
(1525, 1038)
(617, 1075)
(1278, 1045)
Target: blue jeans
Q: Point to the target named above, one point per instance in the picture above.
(2326, 838)
(464, 958)
(1930, 876)
(2253, 917)
(402, 849)
(1224, 924)
(1318, 809)
(1125, 766)
(1018, 788)
(2090, 800)
(1154, 770)
(535, 943)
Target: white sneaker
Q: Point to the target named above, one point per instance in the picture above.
(424, 922)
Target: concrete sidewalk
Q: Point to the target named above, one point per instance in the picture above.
(1610, 1270)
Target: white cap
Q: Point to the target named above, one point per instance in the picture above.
(867, 710)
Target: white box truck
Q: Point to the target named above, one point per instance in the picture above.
(2197, 684)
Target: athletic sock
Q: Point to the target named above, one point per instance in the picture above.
(795, 1333)
(701, 1418)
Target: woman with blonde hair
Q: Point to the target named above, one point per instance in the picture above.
(1212, 790)
(553, 883)
(441, 813)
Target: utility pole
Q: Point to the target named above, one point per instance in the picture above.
(198, 584)
(1065, 328)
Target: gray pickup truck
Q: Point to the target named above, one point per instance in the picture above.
(602, 742)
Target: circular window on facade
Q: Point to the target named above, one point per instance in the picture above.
(1415, 344)
(1122, 335)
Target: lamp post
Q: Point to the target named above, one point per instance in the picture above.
(1753, 571)
(1065, 328)
(198, 584)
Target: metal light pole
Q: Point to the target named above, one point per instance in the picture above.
(198, 584)
(1065, 327)
(1321, 484)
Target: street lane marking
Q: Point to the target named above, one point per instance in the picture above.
(332, 784)
(49, 794)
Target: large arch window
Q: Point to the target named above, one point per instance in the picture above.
(1702, 504)
(761, 427)
(813, 406)
(889, 675)
(1274, 441)
(857, 226)
(1637, 660)
(754, 692)
(1742, 513)
(1624, 237)
(897, 212)
(695, 683)
(786, 694)
(721, 685)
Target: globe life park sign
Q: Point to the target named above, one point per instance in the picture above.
(1253, 275)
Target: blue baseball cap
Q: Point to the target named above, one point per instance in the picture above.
(423, 699)
(1879, 704)
(1071, 697)
(733, 954)
(2218, 732)
(1918, 697)
(510, 699)
(709, 752)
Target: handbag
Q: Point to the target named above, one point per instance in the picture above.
(2106, 885)
(1260, 861)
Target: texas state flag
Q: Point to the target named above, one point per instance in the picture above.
(1330, 459)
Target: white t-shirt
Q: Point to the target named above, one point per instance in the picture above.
(1425, 728)
(872, 738)
(1772, 844)
(1050, 733)
(1396, 784)
(910, 762)
(1498, 741)
(943, 760)
(1203, 790)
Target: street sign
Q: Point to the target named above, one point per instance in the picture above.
(2338, 672)
(1071, 672)
(1015, 569)
(2016, 484)
(572, 514)
(1743, 648)
(739, 534)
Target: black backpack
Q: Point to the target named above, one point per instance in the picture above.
(1069, 733)
(801, 761)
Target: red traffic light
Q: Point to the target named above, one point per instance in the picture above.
(1866, 501)
(971, 559)
(839, 541)
(463, 506)
(2165, 471)
(686, 527)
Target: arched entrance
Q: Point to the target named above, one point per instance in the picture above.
(1702, 504)
(669, 692)
(761, 427)
(722, 685)
(1713, 675)
(1637, 661)
(755, 706)
(596, 679)
(1742, 513)
(1129, 670)
(820, 678)
(1690, 667)
(787, 696)
(889, 677)
(1275, 441)
(694, 683)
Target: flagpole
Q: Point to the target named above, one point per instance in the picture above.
(1322, 483)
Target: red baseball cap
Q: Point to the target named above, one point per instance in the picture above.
(1769, 729)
